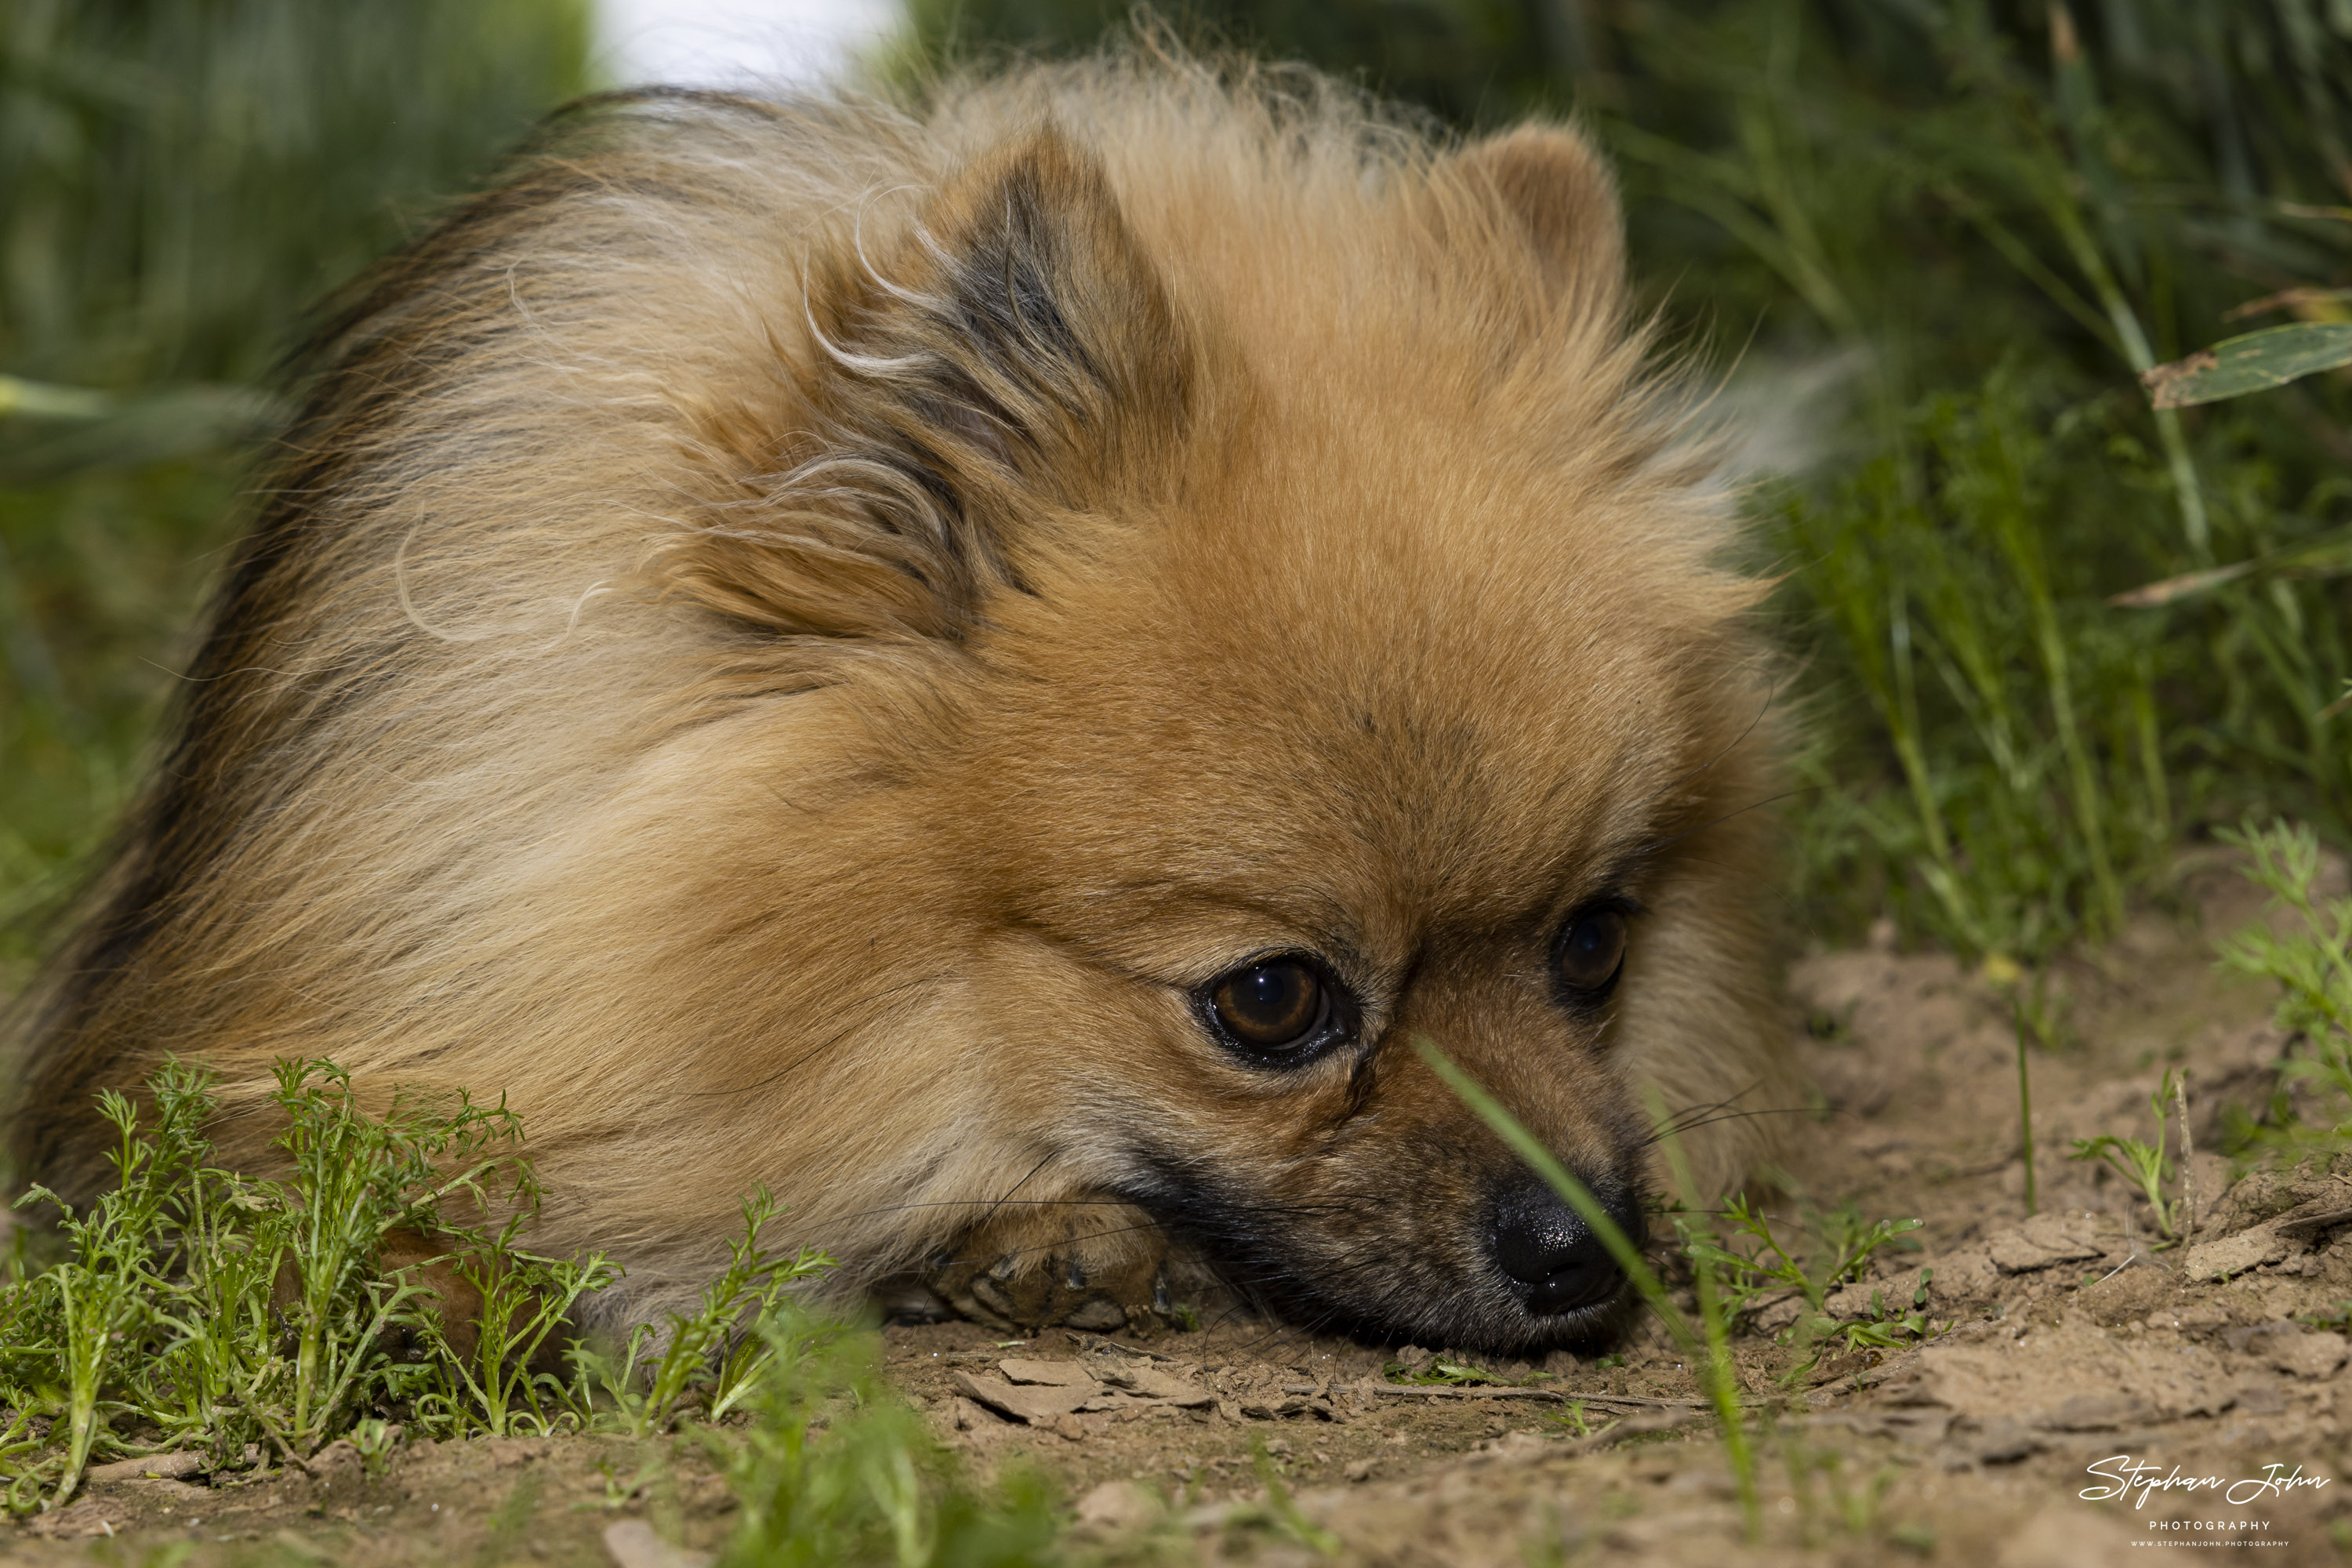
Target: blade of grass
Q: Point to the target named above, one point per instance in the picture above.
(1708, 1347)
(1722, 1381)
(2024, 1103)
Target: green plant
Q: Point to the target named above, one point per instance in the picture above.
(2027, 806)
(711, 1350)
(2312, 965)
(1441, 1371)
(227, 1310)
(222, 1309)
(219, 1310)
(374, 1437)
(1754, 1260)
(2141, 1166)
(876, 1489)
(1573, 1417)
(2255, 361)
(1884, 1330)
(1283, 1511)
(2337, 1317)
(525, 1299)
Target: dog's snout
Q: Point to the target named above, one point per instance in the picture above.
(1545, 1249)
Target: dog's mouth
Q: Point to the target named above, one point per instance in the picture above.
(1519, 1273)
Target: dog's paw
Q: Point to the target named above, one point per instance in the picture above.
(1103, 1270)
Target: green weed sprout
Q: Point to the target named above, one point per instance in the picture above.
(1882, 1331)
(168, 1305)
(876, 1488)
(225, 1310)
(1848, 1243)
(1708, 1346)
(1282, 1511)
(2313, 966)
(1766, 1264)
(525, 1299)
(99, 1299)
(355, 1181)
(1573, 1417)
(2141, 1166)
(1443, 1373)
(712, 1348)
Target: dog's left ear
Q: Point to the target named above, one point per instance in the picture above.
(1009, 362)
(1019, 349)
(1557, 193)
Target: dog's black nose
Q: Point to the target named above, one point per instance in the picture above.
(1544, 1246)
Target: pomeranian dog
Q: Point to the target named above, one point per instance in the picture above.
(989, 666)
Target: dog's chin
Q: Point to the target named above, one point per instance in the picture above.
(1490, 1323)
(1479, 1318)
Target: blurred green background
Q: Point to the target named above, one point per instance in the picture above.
(180, 180)
(1948, 233)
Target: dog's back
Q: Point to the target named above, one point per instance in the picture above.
(772, 613)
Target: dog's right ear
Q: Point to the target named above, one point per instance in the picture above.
(1012, 360)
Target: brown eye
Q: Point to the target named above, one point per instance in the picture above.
(1275, 1005)
(1591, 951)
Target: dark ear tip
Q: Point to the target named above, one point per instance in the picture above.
(1556, 182)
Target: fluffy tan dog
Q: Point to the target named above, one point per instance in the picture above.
(989, 666)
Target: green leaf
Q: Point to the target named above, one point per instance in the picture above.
(2254, 363)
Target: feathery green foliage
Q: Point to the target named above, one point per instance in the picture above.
(2311, 963)
(200, 1307)
(246, 1317)
(710, 1356)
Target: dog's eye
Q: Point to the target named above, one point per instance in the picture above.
(1592, 951)
(1276, 1006)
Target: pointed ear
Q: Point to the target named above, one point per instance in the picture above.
(1009, 359)
(1017, 355)
(1557, 191)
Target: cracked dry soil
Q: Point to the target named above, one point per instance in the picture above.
(2074, 1341)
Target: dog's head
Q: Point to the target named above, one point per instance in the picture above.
(1317, 649)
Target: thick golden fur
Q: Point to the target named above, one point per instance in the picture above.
(792, 636)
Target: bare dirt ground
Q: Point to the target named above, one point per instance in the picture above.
(2073, 1342)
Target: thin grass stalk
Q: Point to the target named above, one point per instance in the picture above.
(1721, 1377)
(1902, 719)
(2076, 92)
(1573, 1193)
(89, 1323)
(2150, 735)
(2024, 1101)
(1708, 1347)
(2050, 641)
(2188, 494)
